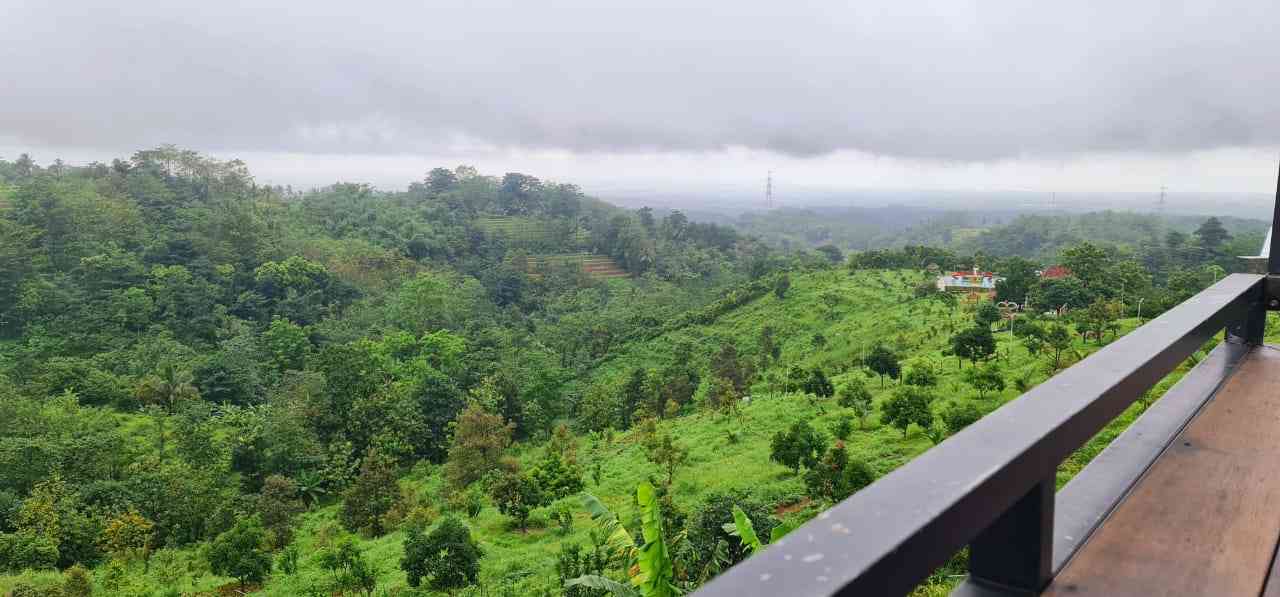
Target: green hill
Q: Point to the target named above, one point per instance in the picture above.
(200, 373)
(851, 313)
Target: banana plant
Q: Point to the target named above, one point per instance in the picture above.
(649, 566)
(742, 528)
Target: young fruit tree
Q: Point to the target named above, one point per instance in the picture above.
(855, 395)
(882, 362)
(908, 405)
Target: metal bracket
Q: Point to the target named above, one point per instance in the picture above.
(1273, 292)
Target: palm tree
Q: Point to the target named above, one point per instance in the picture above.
(164, 391)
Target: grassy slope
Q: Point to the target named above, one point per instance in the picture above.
(875, 307)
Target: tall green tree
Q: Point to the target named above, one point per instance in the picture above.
(975, 344)
(883, 362)
(1212, 235)
(166, 390)
(907, 406)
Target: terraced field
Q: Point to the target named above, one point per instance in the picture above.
(596, 266)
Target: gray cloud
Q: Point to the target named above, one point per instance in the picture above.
(956, 81)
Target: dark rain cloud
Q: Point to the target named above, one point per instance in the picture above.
(949, 80)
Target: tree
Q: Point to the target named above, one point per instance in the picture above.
(882, 362)
(908, 405)
(985, 379)
(1058, 338)
(1100, 317)
(241, 552)
(1212, 235)
(371, 495)
(278, 504)
(54, 512)
(921, 374)
(166, 390)
(479, 440)
(634, 394)
(832, 253)
(1128, 278)
(1019, 276)
(836, 477)
(351, 571)
(76, 582)
(515, 494)
(974, 344)
(666, 453)
(1087, 261)
(854, 395)
(780, 286)
(1056, 293)
(127, 536)
(446, 558)
(818, 384)
(1033, 337)
(440, 180)
(799, 446)
(770, 348)
(287, 344)
(795, 378)
(726, 364)
(986, 315)
(959, 415)
(558, 474)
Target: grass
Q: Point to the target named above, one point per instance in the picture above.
(850, 312)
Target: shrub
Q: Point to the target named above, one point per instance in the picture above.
(446, 558)
(557, 477)
(957, 416)
(76, 582)
(799, 446)
(515, 494)
(241, 552)
(706, 524)
(837, 477)
(287, 562)
(563, 516)
(469, 502)
(127, 536)
(856, 396)
(23, 550)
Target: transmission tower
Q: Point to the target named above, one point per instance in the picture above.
(768, 191)
(1160, 205)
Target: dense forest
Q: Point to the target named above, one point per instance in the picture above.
(489, 385)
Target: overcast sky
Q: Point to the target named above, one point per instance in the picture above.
(991, 94)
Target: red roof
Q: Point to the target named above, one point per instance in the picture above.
(1055, 271)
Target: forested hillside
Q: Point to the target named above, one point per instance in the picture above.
(1151, 237)
(481, 385)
